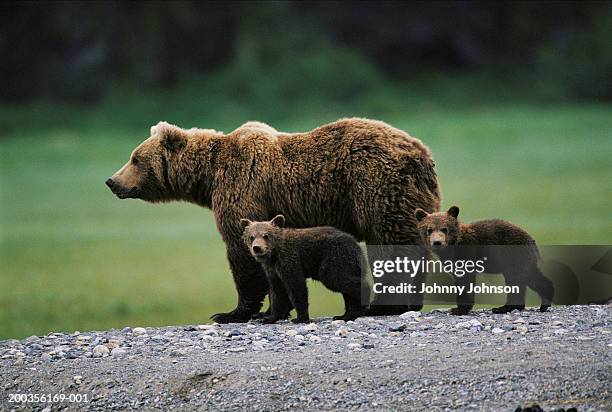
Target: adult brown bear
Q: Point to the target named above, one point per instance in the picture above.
(361, 176)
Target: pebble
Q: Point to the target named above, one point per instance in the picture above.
(315, 339)
(311, 327)
(116, 352)
(77, 379)
(139, 331)
(410, 315)
(100, 351)
(397, 326)
(521, 329)
(342, 332)
(497, 331)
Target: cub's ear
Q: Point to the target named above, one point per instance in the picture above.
(279, 220)
(420, 214)
(173, 138)
(453, 211)
(245, 222)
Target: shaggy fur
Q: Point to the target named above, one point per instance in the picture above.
(361, 176)
(289, 256)
(519, 265)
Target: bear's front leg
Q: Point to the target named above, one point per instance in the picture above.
(251, 285)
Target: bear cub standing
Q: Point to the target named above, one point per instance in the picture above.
(451, 239)
(289, 256)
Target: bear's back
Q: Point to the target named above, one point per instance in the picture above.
(494, 232)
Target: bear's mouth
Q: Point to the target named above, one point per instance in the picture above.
(125, 193)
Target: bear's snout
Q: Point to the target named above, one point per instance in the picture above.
(257, 250)
(110, 183)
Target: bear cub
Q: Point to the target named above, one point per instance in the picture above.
(288, 256)
(518, 264)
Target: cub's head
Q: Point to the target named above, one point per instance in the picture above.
(262, 237)
(149, 174)
(438, 229)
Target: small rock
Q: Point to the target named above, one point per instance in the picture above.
(521, 329)
(118, 352)
(299, 338)
(237, 349)
(127, 329)
(519, 320)
(205, 327)
(397, 326)
(291, 332)
(100, 351)
(77, 379)
(311, 327)
(497, 331)
(139, 331)
(342, 332)
(315, 339)
(368, 346)
(560, 331)
(354, 346)
(337, 322)
(410, 315)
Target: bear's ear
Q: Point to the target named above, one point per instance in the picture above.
(453, 211)
(279, 221)
(420, 214)
(173, 138)
(245, 222)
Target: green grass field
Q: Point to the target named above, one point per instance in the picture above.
(74, 257)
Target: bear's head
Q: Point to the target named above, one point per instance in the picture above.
(155, 170)
(262, 238)
(438, 229)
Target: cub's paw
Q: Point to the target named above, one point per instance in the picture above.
(231, 317)
(460, 310)
(268, 319)
(259, 315)
(507, 308)
(301, 320)
(544, 308)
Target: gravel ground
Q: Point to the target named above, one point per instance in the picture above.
(432, 361)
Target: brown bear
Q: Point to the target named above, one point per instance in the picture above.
(289, 256)
(361, 176)
(450, 239)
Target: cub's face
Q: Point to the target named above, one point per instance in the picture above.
(438, 229)
(262, 237)
(146, 175)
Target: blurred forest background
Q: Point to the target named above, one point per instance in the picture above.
(513, 98)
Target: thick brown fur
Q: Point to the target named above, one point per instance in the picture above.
(361, 176)
(289, 256)
(451, 239)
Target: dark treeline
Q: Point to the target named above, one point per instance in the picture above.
(74, 50)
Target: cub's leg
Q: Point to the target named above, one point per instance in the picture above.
(279, 300)
(465, 301)
(344, 272)
(295, 285)
(513, 301)
(542, 286)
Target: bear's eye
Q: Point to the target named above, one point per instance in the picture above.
(265, 237)
(252, 238)
(135, 160)
(430, 231)
(444, 230)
